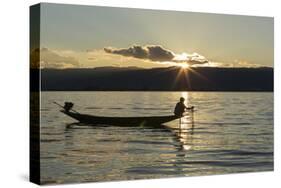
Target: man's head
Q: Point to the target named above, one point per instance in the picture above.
(182, 99)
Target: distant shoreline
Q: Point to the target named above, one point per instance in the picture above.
(154, 91)
(199, 79)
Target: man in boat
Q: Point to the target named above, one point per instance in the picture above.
(180, 108)
(67, 106)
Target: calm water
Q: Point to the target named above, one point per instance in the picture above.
(232, 132)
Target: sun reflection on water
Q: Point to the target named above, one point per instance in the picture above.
(185, 95)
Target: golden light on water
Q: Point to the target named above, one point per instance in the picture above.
(185, 95)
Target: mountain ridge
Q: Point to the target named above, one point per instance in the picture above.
(157, 79)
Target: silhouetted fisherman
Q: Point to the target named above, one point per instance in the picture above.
(68, 106)
(180, 108)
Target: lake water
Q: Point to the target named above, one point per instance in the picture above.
(232, 132)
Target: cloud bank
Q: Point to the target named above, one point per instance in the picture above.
(157, 53)
(143, 56)
(46, 58)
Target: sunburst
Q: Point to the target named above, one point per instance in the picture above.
(183, 74)
(184, 65)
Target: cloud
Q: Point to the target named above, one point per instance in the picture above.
(35, 58)
(157, 53)
(143, 56)
(46, 58)
(233, 64)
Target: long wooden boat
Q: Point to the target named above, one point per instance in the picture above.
(120, 121)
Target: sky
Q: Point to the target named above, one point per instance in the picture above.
(90, 36)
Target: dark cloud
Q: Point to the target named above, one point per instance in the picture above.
(157, 53)
(135, 51)
(46, 58)
(153, 52)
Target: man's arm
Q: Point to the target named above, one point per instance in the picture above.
(188, 108)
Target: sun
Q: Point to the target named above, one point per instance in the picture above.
(184, 65)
